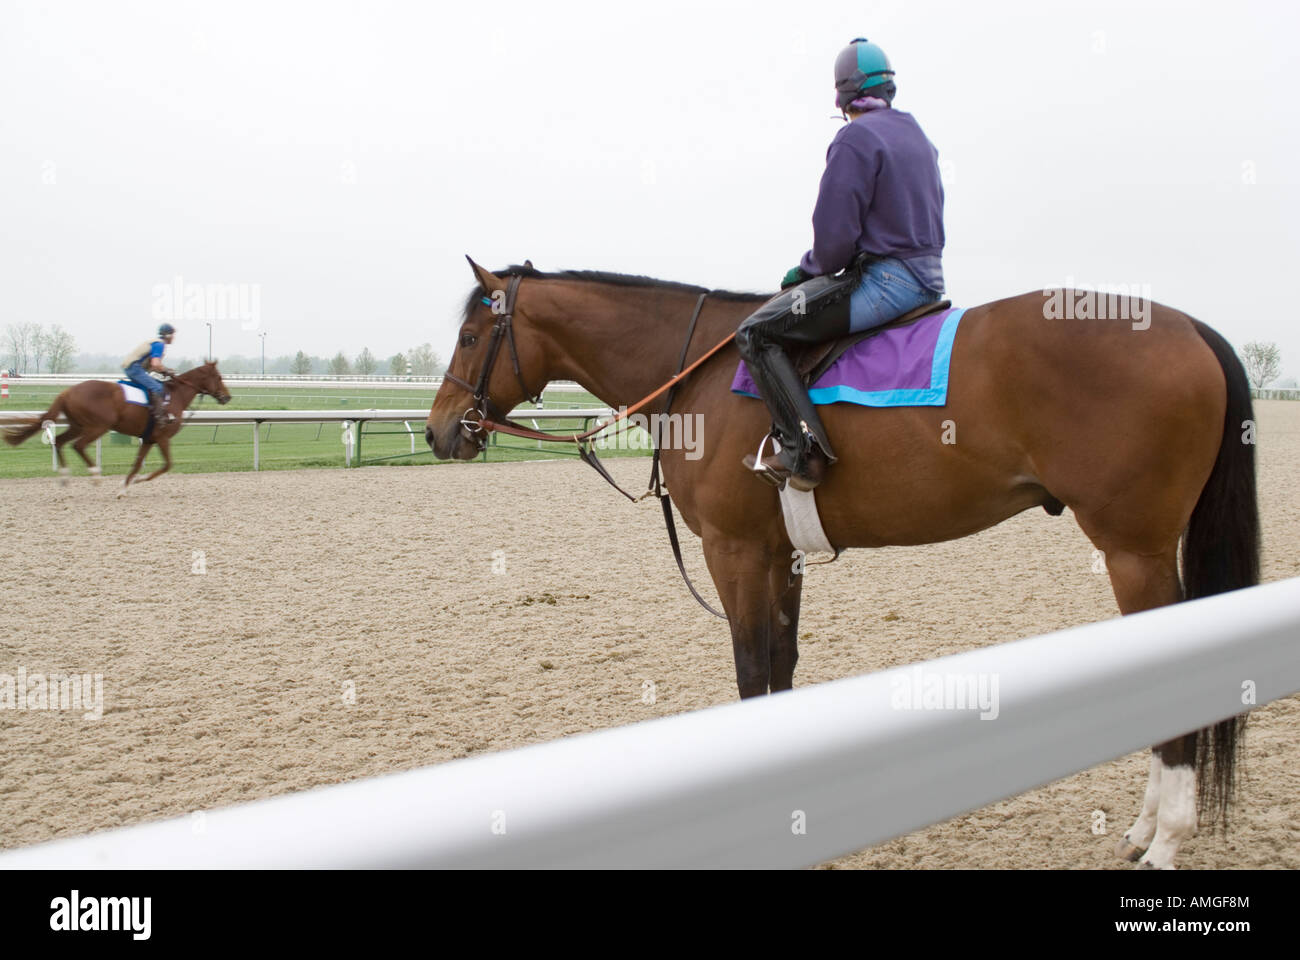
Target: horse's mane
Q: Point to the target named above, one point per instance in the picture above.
(616, 279)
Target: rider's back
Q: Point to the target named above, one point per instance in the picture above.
(881, 193)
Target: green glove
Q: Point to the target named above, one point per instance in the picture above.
(795, 276)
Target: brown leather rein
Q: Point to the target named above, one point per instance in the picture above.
(489, 419)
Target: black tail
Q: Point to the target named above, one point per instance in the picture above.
(16, 435)
(1221, 553)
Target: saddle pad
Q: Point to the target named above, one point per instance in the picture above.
(898, 367)
(132, 393)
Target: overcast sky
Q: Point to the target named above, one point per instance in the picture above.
(339, 159)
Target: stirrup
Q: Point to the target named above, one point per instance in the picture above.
(756, 464)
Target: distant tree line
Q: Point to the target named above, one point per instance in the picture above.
(30, 348)
(424, 363)
(419, 361)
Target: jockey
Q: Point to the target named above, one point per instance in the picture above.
(879, 217)
(148, 357)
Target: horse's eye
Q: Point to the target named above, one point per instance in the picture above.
(468, 340)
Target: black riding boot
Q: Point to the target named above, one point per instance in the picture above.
(813, 312)
(158, 406)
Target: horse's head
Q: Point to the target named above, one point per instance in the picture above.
(206, 379)
(497, 361)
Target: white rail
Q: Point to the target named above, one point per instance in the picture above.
(216, 417)
(781, 781)
(245, 381)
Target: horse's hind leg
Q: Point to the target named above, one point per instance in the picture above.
(1142, 582)
(72, 433)
(87, 438)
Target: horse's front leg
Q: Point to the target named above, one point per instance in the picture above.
(135, 468)
(741, 571)
(785, 583)
(164, 447)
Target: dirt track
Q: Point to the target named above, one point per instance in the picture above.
(232, 684)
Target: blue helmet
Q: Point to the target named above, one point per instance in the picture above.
(165, 329)
(860, 66)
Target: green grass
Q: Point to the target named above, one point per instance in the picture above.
(200, 448)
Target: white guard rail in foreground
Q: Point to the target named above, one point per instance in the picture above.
(725, 787)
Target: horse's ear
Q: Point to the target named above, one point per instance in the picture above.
(486, 279)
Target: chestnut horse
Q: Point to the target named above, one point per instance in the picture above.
(95, 407)
(1134, 427)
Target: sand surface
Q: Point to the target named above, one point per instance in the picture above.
(354, 623)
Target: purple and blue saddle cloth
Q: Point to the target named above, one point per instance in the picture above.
(898, 367)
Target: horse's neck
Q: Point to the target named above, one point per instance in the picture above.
(621, 349)
(182, 395)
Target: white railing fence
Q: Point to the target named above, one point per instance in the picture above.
(352, 422)
(782, 781)
(240, 380)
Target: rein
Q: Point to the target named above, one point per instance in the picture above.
(490, 420)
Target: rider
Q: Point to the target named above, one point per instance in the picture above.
(148, 357)
(880, 212)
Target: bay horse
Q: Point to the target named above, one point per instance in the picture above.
(95, 407)
(1135, 428)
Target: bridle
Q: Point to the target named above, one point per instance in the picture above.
(198, 392)
(489, 418)
(484, 410)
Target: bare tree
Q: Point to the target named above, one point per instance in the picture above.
(16, 345)
(339, 366)
(1263, 362)
(59, 349)
(424, 362)
(366, 362)
(36, 345)
(397, 364)
(301, 365)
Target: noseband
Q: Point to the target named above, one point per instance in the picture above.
(502, 329)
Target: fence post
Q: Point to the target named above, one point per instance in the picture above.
(257, 444)
(48, 431)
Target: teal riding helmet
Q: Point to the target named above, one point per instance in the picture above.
(860, 66)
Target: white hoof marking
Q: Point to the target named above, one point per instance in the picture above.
(1176, 819)
(1140, 835)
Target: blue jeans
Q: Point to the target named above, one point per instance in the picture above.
(888, 290)
(137, 374)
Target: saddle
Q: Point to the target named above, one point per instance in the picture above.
(814, 360)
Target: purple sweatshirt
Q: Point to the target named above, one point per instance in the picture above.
(880, 194)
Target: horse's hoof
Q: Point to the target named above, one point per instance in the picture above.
(1126, 850)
